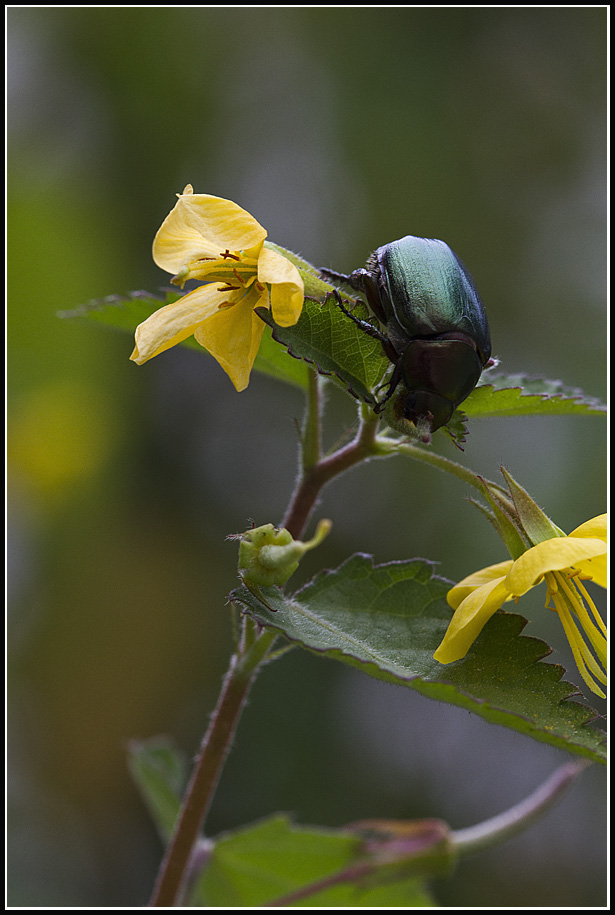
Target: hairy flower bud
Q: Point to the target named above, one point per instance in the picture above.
(268, 555)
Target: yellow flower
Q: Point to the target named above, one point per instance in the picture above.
(213, 240)
(563, 562)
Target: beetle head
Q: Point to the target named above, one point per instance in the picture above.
(426, 409)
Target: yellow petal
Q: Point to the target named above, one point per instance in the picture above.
(286, 286)
(551, 556)
(461, 590)
(200, 225)
(233, 337)
(596, 569)
(286, 304)
(174, 323)
(273, 267)
(596, 527)
(469, 619)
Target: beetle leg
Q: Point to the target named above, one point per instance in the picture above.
(367, 328)
(391, 385)
(356, 280)
(361, 280)
(343, 278)
(340, 304)
(389, 350)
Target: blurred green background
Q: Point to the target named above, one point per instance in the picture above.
(340, 130)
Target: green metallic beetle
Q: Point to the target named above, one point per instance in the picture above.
(437, 335)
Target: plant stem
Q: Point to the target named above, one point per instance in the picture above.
(314, 477)
(412, 858)
(253, 645)
(211, 758)
(385, 446)
(516, 819)
(312, 436)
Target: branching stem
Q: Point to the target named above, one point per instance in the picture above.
(314, 477)
(254, 643)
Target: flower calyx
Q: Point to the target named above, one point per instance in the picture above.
(269, 555)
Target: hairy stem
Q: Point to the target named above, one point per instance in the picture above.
(211, 758)
(311, 438)
(253, 646)
(386, 446)
(313, 478)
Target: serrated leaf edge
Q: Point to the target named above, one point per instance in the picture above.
(576, 395)
(320, 370)
(570, 698)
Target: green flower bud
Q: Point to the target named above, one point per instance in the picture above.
(268, 555)
(532, 519)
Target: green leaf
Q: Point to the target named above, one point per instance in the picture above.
(388, 620)
(125, 312)
(273, 360)
(128, 311)
(523, 395)
(266, 861)
(328, 339)
(160, 772)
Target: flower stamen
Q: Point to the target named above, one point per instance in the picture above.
(598, 619)
(574, 602)
(579, 575)
(583, 658)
